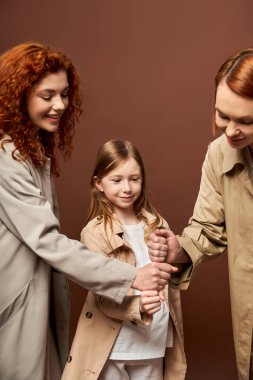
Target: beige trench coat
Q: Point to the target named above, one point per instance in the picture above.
(30, 243)
(223, 217)
(101, 320)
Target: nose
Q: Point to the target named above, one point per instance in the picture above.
(126, 187)
(59, 104)
(232, 129)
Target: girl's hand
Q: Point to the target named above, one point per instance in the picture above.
(162, 295)
(150, 301)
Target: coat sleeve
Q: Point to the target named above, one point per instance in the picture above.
(129, 309)
(205, 236)
(27, 214)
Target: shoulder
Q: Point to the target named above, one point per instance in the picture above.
(93, 236)
(100, 238)
(216, 147)
(8, 151)
(93, 225)
(6, 148)
(150, 218)
(222, 157)
(12, 166)
(218, 144)
(220, 149)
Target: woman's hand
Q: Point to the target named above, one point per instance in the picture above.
(154, 276)
(163, 246)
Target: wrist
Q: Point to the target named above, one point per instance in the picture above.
(145, 317)
(183, 257)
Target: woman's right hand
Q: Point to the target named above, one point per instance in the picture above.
(163, 246)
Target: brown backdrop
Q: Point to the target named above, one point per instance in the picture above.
(147, 69)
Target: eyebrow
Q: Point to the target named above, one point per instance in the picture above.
(120, 175)
(51, 91)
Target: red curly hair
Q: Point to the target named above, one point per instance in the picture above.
(20, 68)
(237, 72)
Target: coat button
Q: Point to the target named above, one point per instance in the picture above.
(69, 359)
(88, 314)
(133, 322)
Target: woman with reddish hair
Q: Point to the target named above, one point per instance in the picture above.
(39, 107)
(223, 213)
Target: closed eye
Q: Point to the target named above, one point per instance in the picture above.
(135, 179)
(222, 116)
(46, 97)
(245, 122)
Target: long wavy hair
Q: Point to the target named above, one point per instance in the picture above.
(237, 72)
(20, 69)
(109, 156)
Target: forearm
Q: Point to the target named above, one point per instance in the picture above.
(182, 257)
(197, 254)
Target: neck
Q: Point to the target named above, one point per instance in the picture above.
(126, 216)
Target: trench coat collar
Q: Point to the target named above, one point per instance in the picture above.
(119, 237)
(232, 156)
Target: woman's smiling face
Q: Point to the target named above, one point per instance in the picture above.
(47, 101)
(234, 116)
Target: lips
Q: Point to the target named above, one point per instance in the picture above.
(57, 117)
(234, 141)
(53, 118)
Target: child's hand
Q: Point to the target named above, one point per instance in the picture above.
(161, 295)
(150, 301)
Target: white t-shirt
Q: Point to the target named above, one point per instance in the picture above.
(137, 341)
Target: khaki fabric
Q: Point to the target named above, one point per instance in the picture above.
(101, 319)
(30, 244)
(223, 218)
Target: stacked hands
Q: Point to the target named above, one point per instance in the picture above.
(164, 249)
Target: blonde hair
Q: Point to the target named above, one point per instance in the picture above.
(109, 156)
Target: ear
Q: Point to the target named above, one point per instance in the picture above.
(97, 183)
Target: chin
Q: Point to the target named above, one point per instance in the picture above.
(50, 129)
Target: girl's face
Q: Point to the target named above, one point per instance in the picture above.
(122, 186)
(234, 116)
(47, 101)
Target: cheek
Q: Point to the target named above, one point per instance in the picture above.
(66, 103)
(248, 132)
(138, 189)
(35, 109)
(220, 123)
(31, 110)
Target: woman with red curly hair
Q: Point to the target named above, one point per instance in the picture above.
(39, 106)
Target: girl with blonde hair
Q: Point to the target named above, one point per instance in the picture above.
(143, 337)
